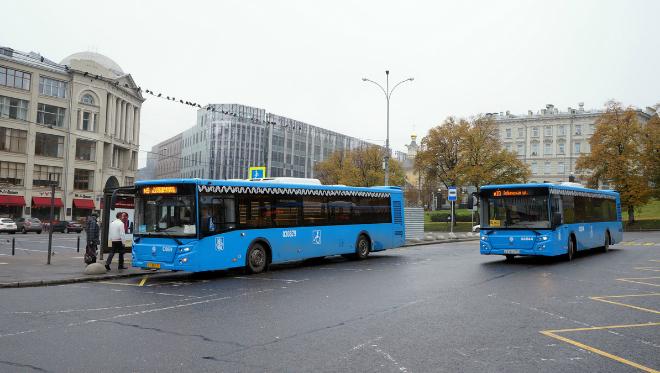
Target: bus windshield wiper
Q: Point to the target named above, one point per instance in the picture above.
(178, 242)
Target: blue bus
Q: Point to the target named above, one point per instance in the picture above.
(202, 225)
(547, 219)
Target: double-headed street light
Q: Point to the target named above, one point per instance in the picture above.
(388, 94)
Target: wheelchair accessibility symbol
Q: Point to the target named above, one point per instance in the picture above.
(316, 237)
(219, 243)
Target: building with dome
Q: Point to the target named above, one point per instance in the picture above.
(75, 123)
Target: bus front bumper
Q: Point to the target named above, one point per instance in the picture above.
(542, 248)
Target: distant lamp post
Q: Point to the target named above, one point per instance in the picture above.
(388, 94)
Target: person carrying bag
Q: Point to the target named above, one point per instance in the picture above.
(92, 230)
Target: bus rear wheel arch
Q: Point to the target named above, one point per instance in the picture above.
(257, 257)
(362, 247)
(570, 253)
(607, 242)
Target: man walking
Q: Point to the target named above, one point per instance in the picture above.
(116, 234)
(92, 232)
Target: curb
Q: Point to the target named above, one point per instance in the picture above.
(28, 284)
(441, 241)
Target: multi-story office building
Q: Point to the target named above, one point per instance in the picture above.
(230, 138)
(167, 156)
(550, 141)
(75, 123)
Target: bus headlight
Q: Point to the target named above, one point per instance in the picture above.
(183, 260)
(542, 238)
(484, 238)
(184, 249)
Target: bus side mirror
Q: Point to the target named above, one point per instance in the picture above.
(556, 219)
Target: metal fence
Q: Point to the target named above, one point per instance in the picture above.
(414, 220)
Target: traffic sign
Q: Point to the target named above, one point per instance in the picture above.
(257, 172)
(451, 195)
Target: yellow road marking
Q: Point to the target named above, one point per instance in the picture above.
(551, 333)
(603, 327)
(654, 260)
(144, 279)
(601, 299)
(634, 280)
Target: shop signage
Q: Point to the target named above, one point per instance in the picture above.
(82, 195)
(8, 191)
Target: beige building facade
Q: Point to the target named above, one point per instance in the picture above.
(75, 123)
(550, 141)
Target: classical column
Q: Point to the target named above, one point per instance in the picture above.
(137, 126)
(117, 119)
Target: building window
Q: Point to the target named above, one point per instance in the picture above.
(547, 131)
(546, 169)
(12, 173)
(50, 115)
(561, 148)
(52, 87)
(13, 108)
(49, 145)
(578, 129)
(535, 148)
(88, 121)
(520, 149)
(128, 181)
(40, 176)
(116, 157)
(13, 140)
(508, 133)
(521, 132)
(535, 132)
(560, 167)
(577, 148)
(85, 150)
(507, 146)
(561, 130)
(87, 99)
(83, 179)
(547, 148)
(14, 78)
(534, 168)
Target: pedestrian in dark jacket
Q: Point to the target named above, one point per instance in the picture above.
(92, 230)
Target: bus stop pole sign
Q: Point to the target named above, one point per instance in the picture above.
(257, 172)
(451, 195)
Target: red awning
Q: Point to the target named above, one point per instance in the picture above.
(83, 204)
(45, 202)
(12, 201)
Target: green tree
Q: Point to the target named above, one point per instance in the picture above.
(439, 154)
(619, 156)
(359, 167)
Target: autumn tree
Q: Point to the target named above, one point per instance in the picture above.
(483, 161)
(461, 153)
(359, 167)
(620, 155)
(652, 153)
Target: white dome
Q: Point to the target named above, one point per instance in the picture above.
(94, 57)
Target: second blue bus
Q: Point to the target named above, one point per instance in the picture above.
(547, 219)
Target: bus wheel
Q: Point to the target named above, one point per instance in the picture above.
(571, 250)
(606, 246)
(509, 257)
(256, 258)
(362, 247)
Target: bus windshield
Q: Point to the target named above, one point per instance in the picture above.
(167, 215)
(523, 211)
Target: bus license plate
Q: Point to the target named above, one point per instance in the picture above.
(512, 251)
(153, 265)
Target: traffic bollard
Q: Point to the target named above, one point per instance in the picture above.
(13, 246)
(78, 244)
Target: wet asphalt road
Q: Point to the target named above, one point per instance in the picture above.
(435, 308)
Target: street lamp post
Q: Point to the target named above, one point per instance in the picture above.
(388, 95)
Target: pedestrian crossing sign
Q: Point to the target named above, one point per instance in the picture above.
(257, 172)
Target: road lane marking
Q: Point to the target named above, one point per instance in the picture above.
(634, 280)
(652, 269)
(82, 310)
(602, 299)
(144, 279)
(552, 334)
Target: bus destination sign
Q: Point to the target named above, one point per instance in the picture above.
(510, 193)
(517, 192)
(159, 189)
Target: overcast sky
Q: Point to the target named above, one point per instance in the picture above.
(305, 59)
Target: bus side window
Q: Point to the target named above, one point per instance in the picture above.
(568, 209)
(555, 207)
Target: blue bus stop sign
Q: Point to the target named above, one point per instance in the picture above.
(451, 195)
(257, 172)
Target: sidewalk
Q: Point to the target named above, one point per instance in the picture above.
(28, 267)
(27, 270)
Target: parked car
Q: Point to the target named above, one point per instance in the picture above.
(25, 225)
(73, 226)
(7, 225)
(476, 228)
(58, 226)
